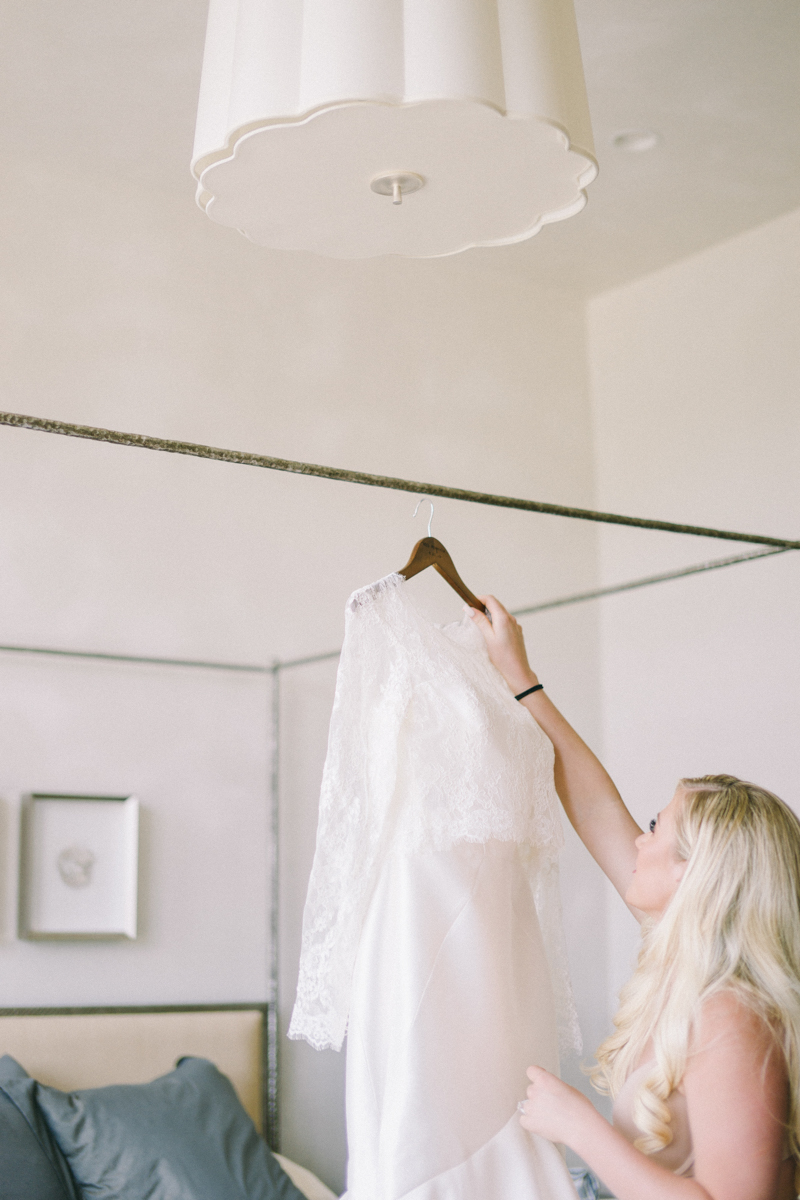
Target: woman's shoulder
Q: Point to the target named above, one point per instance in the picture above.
(736, 1084)
(729, 1018)
(735, 1047)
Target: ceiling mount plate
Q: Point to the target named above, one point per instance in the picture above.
(397, 184)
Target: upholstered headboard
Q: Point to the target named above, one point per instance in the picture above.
(72, 1048)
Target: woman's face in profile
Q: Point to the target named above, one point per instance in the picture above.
(658, 869)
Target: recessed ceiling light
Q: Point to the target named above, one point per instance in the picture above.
(637, 140)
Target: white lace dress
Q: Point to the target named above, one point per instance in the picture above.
(432, 929)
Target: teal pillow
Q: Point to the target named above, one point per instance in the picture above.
(184, 1136)
(31, 1165)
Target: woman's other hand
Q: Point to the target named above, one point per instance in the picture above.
(555, 1110)
(506, 643)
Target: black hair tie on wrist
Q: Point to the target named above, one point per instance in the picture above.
(537, 687)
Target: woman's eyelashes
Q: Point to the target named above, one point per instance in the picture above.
(653, 825)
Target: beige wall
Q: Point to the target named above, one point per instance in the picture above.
(695, 379)
(133, 311)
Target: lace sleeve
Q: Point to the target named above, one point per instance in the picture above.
(358, 788)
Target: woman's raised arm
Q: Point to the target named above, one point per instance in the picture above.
(587, 792)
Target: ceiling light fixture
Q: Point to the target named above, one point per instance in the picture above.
(471, 115)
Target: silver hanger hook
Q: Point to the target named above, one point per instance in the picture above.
(416, 510)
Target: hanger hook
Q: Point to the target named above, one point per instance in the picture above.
(430, 518)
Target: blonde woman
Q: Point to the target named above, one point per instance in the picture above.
(704, 1066)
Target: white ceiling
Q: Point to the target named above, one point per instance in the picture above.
(109, 89)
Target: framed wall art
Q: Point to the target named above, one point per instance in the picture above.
(78, 867)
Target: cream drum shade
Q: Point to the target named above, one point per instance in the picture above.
(304, 104)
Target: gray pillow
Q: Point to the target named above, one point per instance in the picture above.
(31, 1165)
(184, 1136)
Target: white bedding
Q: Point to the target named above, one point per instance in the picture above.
(311, 1187)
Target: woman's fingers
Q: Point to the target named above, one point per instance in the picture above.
(495, 621)
(505, 642)
(554, 1109)
(538, 1077)
(495, 607)
(480, 619)
(500, 616)
(536, 1110)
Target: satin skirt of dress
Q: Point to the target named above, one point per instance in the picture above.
(451, 1003)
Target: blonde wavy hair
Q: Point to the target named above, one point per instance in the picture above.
(733, 924)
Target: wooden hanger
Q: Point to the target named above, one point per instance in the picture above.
(430, 553)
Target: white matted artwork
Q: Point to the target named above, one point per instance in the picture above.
(79, 863)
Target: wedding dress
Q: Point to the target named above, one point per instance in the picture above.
(432, 928)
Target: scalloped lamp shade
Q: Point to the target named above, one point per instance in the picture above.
(355, 128)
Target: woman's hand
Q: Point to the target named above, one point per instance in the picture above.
(559, 1113)
(555, 1110)
(504, 638)
(590, 800)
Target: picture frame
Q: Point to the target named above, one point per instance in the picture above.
(78, 867)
